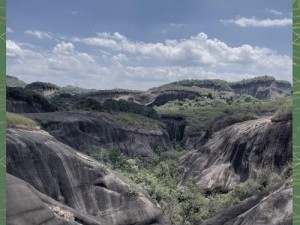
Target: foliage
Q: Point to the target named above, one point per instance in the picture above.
(256, 80)
(215, 84)
(89, 104)
(15, 120)
(31, 97)
(159, 175)
(41, 85)
(137, 120)
(125, 106)
(216, 116)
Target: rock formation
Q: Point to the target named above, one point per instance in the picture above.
(86, 130)
(240, 152)
(87, 188)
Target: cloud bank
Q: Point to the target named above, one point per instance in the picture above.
(111, 60)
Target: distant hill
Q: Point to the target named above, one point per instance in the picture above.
(12, 81)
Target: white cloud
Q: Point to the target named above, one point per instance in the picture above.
(253, 22)
(74, 12)
(64, 48)
(275, 12)
(13, 49)
(120, 62)
(39, 34)
(9, 30)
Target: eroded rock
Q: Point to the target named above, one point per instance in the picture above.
(239, 152)
(77, 181)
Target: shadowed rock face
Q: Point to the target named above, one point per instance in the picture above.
(269, 207)
(23, 107)
(85, 130)
(75, 180)
(239, 152)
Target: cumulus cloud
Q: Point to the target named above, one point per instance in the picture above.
(254, 22)
(112, 60)
(64, 48)
(39, 34)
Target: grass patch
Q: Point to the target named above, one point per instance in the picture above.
(136, 120)
(17, 121)
(203, 118)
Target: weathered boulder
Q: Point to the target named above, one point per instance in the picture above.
(239, 152)
(76, 180)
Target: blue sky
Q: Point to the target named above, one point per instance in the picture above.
(139, 44)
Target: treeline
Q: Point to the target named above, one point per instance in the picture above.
(41, 85)
(68, 102)
(215, 84)
(117, 105)
(31, 97)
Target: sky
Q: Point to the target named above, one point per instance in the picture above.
(139, 44)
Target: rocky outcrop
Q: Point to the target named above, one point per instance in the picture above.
(72, 179)
(86, 130)
(267, 88)
(175, 127)
(239, 152)
(272, 206)
(23, 107)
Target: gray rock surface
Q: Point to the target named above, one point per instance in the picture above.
(86, 130)
(77, 181)
(269, 207)
(23, 107)
(239, 152)
(26, 205)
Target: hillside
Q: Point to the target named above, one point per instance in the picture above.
(12, 81)
(186, 153)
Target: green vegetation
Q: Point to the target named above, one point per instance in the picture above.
(41, 85)
(137, 120)
(159, 175)
(111, 92)
(17, 121)
(131, 107)
(256, 80)
(214, 84)
(67, 102)
(29, 96)
(220, 114)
